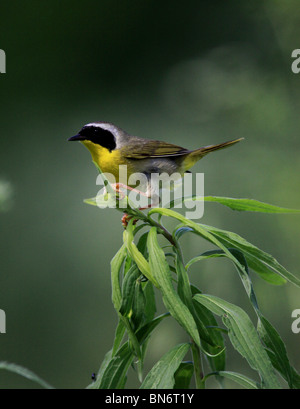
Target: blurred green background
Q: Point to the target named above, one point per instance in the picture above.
(192, 73)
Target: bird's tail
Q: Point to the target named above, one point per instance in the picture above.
(207, 149)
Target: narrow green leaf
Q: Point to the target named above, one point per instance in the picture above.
(160, 270)
(116, 265)
(91, 201)
(26, 373)
(138, 306)
(161, 375)
(107, 200)
(128, 290)
(216, 340)
(142, 244)
(245, 277)
(275, 349)
(150, 307)
(183, 375)
(146, 330)
(132, 336)
(259, 261)
(238, 378)
(136, 255)
(119, 335)
(248, 205)
(185, 293)
(243, 337)
(115, 370)
(181, 231)
(106, 361)
(206, 255)
(296, 379)
(183, 286)
(128, 263)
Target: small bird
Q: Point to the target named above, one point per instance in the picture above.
(111, 147)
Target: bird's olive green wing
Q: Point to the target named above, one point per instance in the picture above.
(142, 149)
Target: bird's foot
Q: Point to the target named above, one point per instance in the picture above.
(118, 186)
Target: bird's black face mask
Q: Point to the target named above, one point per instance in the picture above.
(97, 135)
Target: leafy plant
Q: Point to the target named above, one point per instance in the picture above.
(142, 264)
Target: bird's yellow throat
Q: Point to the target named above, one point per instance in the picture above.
(108, 161)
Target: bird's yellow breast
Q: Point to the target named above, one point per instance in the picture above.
(108, 161)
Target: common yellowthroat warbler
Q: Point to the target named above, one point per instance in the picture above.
(111, 147)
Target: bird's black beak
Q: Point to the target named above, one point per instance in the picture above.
(77, 137)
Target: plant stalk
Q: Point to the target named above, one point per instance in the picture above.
(199, 379)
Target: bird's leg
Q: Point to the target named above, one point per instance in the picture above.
(117, 187)
(125, 219)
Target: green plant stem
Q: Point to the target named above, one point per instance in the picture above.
(199, 379)
(163, 230)
(137, 213)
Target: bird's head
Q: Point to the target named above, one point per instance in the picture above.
(98, 133)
